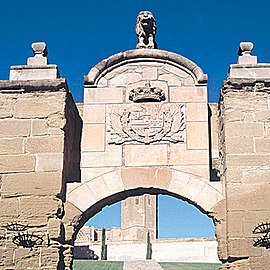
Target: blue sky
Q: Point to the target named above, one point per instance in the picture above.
(81, 33)
(176, 219)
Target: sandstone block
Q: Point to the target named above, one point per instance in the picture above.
(253, 219)
(6, 106)
(247, 160)
(14, 128)
(9, 207)
(262, 115)
(102, 82)
(197, 112)
(259, 262)
(48, 144)
(240, 145)
(253, 200)
(234, 175)
(54, 228)
(49, 162)
(234, 115)
(146, 155)
(238, 247)
(2, 252)
(125, 78)
(94, 114)
(235, 224)
(23, 184)
(24, 257)
(91, 173)
(254, 72)
(237, 101)
(39, 127)
(31, 72)
(44, 207)
(93, 137)
(256, 176)
(197, 135)
(103, 95)
(18, 163)
(188, 94)
(39, 107)
(49, 258)
(134, 177)
(262, 145)
(11, 146)
(112, 156)
(149, 73)
(199, 170)
(236, 129)
(171, 79)
(9, 257)
(56, 120)
(179, 155)
(170, 70)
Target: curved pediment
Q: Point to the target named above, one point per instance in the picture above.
(142, 56)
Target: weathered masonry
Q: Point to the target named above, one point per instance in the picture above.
(147, 128)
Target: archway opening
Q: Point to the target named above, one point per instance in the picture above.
(180, 226)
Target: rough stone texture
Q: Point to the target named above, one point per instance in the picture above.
(243, 110)
(40, 151)
(118, 157)
(38, 156)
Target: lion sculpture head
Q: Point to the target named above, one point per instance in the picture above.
(146, 30)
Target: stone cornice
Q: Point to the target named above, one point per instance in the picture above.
(246, 85)
(142, 55)
(33, 85)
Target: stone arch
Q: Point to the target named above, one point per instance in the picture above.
(176, 161)
(91, 196)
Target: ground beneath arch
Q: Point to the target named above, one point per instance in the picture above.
(109, 265)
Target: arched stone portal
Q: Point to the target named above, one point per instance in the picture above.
(147, 128)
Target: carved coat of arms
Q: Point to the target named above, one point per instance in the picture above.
(146, 123)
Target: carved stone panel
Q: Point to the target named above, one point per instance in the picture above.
(146, 123)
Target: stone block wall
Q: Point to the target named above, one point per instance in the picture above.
(244, 140)
(39, 153)
(110, 96)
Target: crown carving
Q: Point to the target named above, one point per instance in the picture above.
(146, 93)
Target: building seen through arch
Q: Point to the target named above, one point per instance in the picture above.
(139, 215)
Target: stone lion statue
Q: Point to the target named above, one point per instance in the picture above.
(146, 30)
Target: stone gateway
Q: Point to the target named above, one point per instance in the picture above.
(57, 169)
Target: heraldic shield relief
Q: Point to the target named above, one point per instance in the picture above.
(146, 123)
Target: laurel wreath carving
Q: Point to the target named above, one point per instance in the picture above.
(171, 125)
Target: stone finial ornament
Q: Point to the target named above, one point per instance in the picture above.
(37, 67)
(146, 30)
(244, 53)
(39, 48)
(40, 51)
(245, 48)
